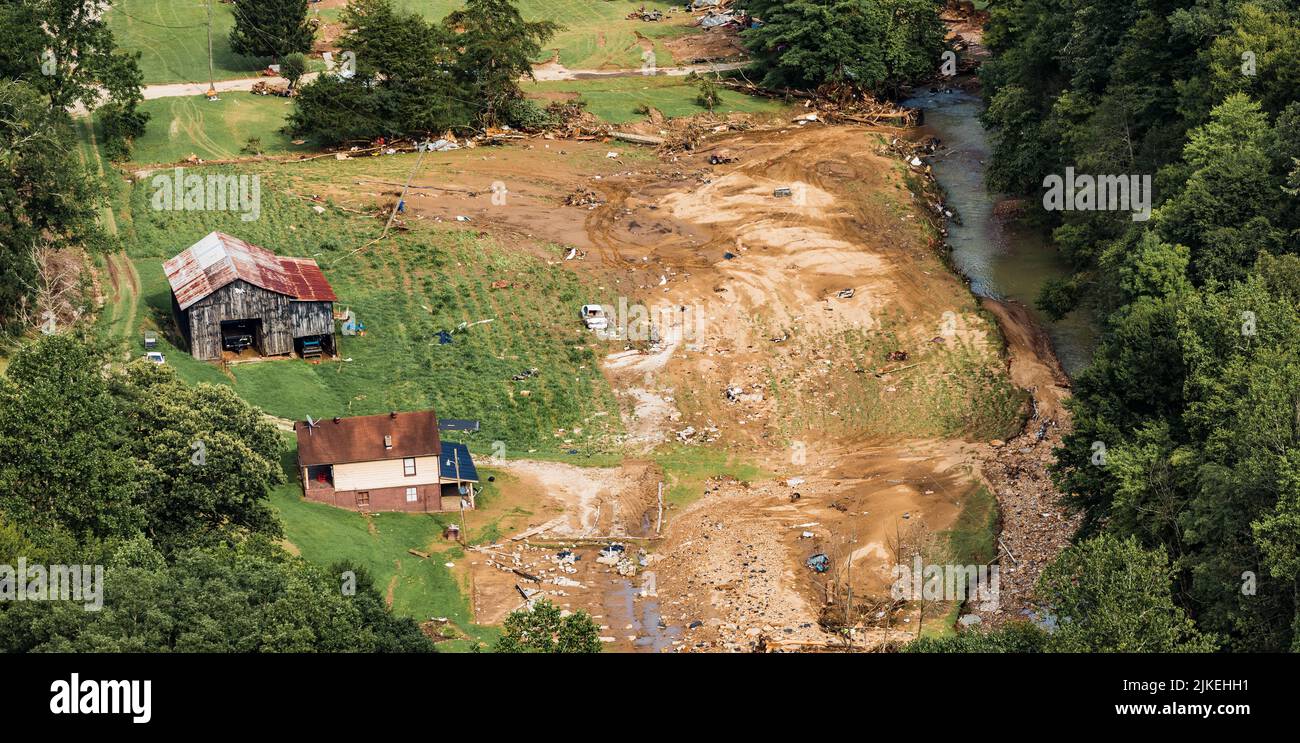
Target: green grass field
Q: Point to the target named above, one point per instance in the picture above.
(686, 469)
(596, 33)
(973, 538)
(172, 36)
(213, 130)
(404, 290)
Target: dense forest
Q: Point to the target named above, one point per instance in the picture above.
(165, 485)
(1186, 439)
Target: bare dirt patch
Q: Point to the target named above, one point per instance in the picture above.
(833, 335)
(598, 502)
(714, 44)
(734, 566)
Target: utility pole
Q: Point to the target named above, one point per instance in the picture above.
(212, 84)
(459, 484)
(659, 524)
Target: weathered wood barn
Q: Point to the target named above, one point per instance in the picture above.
(386, 462)
(228, 294)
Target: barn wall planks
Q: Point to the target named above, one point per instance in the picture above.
(283, 319)
(311, 318)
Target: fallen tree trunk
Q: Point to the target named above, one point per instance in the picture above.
(637, 138)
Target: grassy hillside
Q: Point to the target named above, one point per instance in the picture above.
(213, 130)
(172, 36)
(594, 34)
(618, 99)
(405, 290)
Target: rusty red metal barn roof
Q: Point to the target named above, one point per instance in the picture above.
(219, 259)
(362, 438)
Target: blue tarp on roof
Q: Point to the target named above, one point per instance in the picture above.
(451, 452)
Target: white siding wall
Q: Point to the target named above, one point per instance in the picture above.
(384, 474)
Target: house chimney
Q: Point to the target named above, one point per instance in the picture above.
(337, 419)
(392, 414)
(388, 442)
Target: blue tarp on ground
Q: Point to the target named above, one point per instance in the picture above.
(451, 452)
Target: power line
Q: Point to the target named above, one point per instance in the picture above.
(158, 25)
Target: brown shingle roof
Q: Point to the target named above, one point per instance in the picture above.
(219, 259)
(361, 439)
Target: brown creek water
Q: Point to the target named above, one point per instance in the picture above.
(1002, 259)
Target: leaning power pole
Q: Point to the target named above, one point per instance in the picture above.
(212, 84)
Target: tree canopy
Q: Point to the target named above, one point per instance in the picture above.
(165, 486)
(871, 45)
(414, 78)
(1191, 392)
(270, 28)
(543, 629)
(65, 50)
(49, 198)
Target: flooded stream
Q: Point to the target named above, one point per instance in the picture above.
(1003, 260)
(638, 617)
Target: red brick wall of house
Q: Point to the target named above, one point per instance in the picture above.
(381, 499)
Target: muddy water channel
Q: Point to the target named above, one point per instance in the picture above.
(1003, 260)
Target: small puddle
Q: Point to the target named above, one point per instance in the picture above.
(652, 633)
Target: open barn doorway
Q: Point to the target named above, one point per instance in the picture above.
(241, 338)
(314, 347)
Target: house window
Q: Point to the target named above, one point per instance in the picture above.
(411, 495)
(408, 466)
(363, 499)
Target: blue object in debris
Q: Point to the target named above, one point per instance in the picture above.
(819, 562)
(401, 206)
(444, 337)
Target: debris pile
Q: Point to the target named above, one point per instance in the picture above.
(573, 120)
(689, 133)
(582, 196)
(262, 87)
(641, 14)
